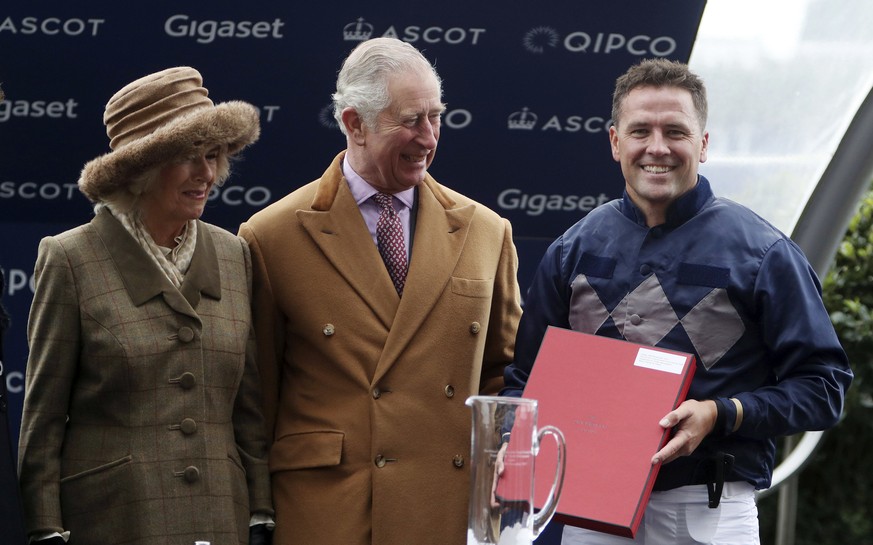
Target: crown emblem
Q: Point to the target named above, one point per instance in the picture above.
(358, 31)
(524, 120)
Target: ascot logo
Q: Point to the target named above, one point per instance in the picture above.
(51, 26)
(542, 38)
(48, 191)
(358, 31)
(361, 30)
(526, 120)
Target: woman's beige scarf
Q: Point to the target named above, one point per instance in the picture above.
(174, 262)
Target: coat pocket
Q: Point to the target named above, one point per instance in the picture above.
(96, 495)
(472, 288)
(96, 470)
(307, 450)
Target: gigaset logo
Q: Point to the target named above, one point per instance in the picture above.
(55, 109)
(361, 30)
(51, 26)
(182, 26)
(534, 205)
(540, 39)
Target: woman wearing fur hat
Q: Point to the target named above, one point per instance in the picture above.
(142, 420)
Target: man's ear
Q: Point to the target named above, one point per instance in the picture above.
(354, 125)
(613, 144)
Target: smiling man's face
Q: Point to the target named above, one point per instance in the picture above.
(659, 143)
(395, 155)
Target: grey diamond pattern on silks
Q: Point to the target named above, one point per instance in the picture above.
(587, 312)
(713, 326)
(645, 316)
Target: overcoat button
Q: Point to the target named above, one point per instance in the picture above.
(377, 393)
(475, 327)
(645, 270)
(187, 380)
(192, 474)
(380, 461)
(450, 390)
(328, 330)
(458, 460)
(188, 426)
(635, 319)
(186, 334)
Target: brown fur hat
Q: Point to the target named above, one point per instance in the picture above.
(160, 118)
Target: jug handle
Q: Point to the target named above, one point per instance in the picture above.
(548, 510)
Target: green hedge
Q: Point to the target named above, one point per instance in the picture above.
(835, 498)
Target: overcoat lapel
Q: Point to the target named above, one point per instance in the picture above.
(440, 234)
(137, 270)
(337, 227)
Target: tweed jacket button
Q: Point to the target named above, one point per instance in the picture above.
(458, 460)
(188, 426)
(328, 330)
(475, 328)
(186, 334)
(377, 393)
(449, 390)
(380, 461)
(192, 474)
(187, 380)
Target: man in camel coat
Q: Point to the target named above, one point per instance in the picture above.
(366, 371)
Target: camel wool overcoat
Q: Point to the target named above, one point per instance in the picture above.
(364, 390)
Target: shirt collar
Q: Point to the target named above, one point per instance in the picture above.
(362, 190)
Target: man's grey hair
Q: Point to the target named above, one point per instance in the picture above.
(362, 83)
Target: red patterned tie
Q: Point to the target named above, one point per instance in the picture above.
(389, 234)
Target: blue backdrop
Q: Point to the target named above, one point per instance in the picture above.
(528, 87)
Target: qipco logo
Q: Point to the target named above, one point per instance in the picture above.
(640, 45)
(237, 195)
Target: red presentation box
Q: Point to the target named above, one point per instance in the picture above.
(606, 396)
